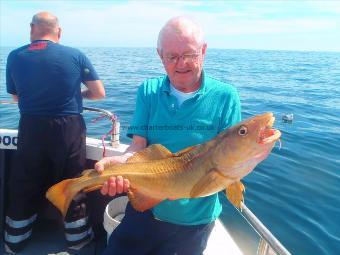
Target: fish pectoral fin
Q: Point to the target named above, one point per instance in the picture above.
(211, 183)
(140, 201)
(152, 152)
(234, 193)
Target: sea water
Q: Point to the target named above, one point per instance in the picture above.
(295, 192)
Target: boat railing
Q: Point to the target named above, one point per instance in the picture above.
(268, 244)
(115, 131)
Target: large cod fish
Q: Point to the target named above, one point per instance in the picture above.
(156, 174)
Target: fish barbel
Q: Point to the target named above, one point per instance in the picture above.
(156, 174)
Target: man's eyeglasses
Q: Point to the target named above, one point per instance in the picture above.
(187, 58)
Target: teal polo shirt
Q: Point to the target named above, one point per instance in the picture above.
(159, 119)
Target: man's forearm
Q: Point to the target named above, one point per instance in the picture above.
(94, 90)
(86, 93)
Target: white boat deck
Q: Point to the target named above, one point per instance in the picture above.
(221, 242)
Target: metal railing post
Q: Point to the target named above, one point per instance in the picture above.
(264, 233)
(116, 125)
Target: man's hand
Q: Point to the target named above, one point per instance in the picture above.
(109, 161)
(115, 185)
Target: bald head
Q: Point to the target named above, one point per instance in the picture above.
(180, 27)
(45, 26)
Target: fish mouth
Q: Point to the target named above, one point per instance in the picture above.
(268, 134)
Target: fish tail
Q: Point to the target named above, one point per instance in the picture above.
(61, 194)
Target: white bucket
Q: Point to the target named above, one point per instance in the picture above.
(114, 213)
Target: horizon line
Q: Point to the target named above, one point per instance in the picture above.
(209, 48)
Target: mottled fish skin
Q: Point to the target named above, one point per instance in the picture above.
(156, 174)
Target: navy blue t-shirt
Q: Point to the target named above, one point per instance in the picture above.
(47, 78)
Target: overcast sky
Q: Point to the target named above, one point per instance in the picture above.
(271, 24)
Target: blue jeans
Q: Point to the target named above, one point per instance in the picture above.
(141, 234)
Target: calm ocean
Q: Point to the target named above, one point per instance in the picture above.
(295, 192)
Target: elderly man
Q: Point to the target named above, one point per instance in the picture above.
(198, 107)
(45, 78)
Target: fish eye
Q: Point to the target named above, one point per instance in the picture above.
(243, 131)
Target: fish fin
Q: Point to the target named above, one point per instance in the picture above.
(61, 195)
(89, 173)
(152, 152)
(181, 152)
(92, 188)
(234, 193)
(141, 202)
(211, 183)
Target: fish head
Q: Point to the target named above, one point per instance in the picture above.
(240, 148)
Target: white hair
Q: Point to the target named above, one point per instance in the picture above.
(184, 26)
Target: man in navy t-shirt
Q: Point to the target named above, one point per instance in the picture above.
(45, 78)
